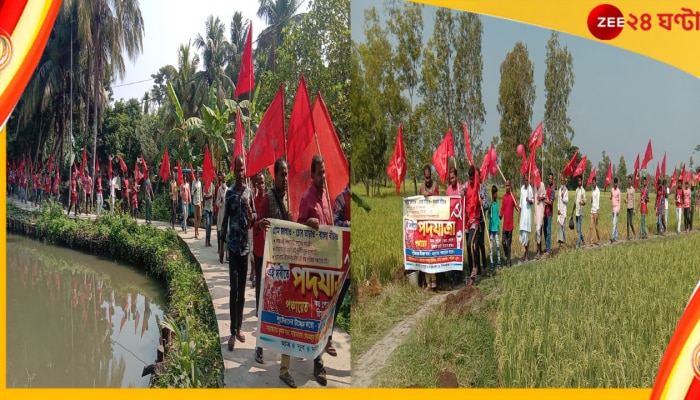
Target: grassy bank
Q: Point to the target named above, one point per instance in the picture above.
(583, 318)
(162, 255)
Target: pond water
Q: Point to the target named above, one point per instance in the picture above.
(75, 320)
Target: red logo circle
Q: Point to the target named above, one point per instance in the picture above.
(605, 22)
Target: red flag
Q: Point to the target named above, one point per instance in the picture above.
(269, 143)
(590, 178)
(191, 172)
(109, 170)
(442, 155)
(636, 172)
(246, 78)
(466, 144)
(97, 167)
(208, 172)
(238, 148)
(31, 164)
(580, 168)
(137, 174)
(50, 163)
(13, 164)
(180, 178)
(397, 165)
(485, 167)
(337, 169)
(608, 177)
(494, 160)
(682, 176)
(536, 138)
(82, 167)
(656, 179)
(570, 166)
(165, 166)
(300, 143)
(663, 165)
(534, 171)
(648, 156)
(524, 164)
(122, 165)
(673, 179)
(143, 163)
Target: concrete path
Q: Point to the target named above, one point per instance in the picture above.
(241, 370)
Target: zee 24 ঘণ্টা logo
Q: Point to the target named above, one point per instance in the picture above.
(606, 21)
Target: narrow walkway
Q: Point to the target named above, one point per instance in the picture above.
(241, 370)
(374, 360)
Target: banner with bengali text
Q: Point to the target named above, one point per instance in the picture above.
(433, 233)
(303, 272)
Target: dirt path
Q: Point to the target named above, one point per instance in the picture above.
(376, 357)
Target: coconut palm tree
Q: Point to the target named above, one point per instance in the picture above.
(277, 14)
(215, 53)
(239, 34)
(108, 29)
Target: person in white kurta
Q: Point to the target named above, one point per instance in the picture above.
(527, 198)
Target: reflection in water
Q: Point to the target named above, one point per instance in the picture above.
(74, 320)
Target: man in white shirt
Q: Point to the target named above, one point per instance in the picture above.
(562, 201)
(208, 210)
(595, 206)
(197, 202)
(580, 202)
(527, 198)
(220, 200)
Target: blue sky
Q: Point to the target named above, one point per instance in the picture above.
(619, 101)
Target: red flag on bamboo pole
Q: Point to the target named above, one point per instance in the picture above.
(397, 165)
(109, 170)
(82, 167)
(269, 143)
(300, 138)
(608, 177)
(663, 165)
(238, 148)
(466, 144)
(441, 157)
(122, 165)
(246, 78)
(137, 174)
(208, 172)
(656, 178)
(97, 166)
(648, 156)
(337, 168)
(636, 172)
(165, 166)
(536, 138)
(581, 167)
(180, 178)
(50, 168)
(590, 178)
(570, 166)
(673, 179)
(682, 175)
(534, 171)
